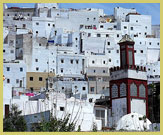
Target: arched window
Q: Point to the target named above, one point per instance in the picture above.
(114, 91)
(133, 89)
(142, 91)
(122, 89)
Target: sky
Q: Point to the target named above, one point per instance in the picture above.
(152, 9)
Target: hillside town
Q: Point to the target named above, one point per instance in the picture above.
(101, 70)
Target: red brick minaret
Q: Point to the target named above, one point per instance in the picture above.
(128, 85)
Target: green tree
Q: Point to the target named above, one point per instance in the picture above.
(14, 121)
(55, 125)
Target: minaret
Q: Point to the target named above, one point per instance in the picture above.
(128, 85)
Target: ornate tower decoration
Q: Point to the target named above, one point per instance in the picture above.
(128, 85)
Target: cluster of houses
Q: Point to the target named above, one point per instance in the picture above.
(83, 62)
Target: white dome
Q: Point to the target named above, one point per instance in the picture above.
(133, 122)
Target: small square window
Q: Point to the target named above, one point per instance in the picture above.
(107, 35)
(150, 43)
(21, 69)
(62, 88)
(77, 61)
(4, 51)
(11, 51)
(89, 34)
(53, 25)
(134, 51)
(117, 51)
(62, 60)
(109, 60)
(117, 35)
(62, 108)
(141, 51)
(92, 89)
(101, 26)
(104, 71)
(36, 60)
(48, 24)
(158, 43)
(71, 61)
(39, 44)
(61, 70)
(37, 32)
(104, 62)
(8, 68)
(131, 28)
(94, 71)
(108, 43)
(40, 78)
(37, 23)
(17, 80)
(31, 78)
(84, 88)
(125, 27)
(8, 80)
(93, 61)
(98, 35)
(37, 68)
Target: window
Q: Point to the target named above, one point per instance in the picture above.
(36, 60)
(8, 80)
(146, 27)
(37, 68)
(117, 51)
(98, 35)
(150, 43)
(104, 62)
(107, 35)
(28, 14)
(93, 61)
(11, 51)
(71, 61)
(8, 68)
(94, 71)
(48, 24)
(142, 91)
(158, 43)
(117, 35)
(130, 57)
(61, 70)
(125, 27)
(37, 23)
(36, 32)
(131, 28)
(109, 60)
(62, 108)
(17, 80)
(24, 25)
(77, 61)
(31, 78)
(133, 89)
(21, 69)
(104, 71)
(145, 33)
(114, 89)
(40, 78)
(134, 51)
(94, 18)
(122, 89)
(4, 51)
(15, 14)
(141, 51)
(92, 89)
(136, 20)
(101, 26)
(115, 26)
(84, 88)
(53, 25)
(140, 42)
(108, 43)
(62, 60)
(89, 34)
(87, 19)
(62, 88)
(109, 51)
